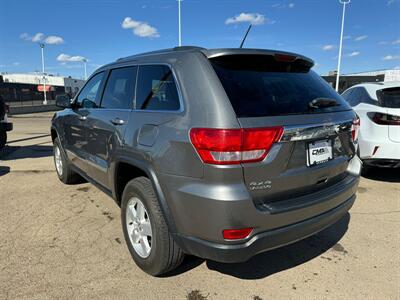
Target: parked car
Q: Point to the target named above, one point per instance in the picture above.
(218, 153)
(378, 106)
(5, 125)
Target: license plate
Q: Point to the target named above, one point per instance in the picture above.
(319, 152)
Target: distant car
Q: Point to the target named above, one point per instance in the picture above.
(378, 106)
(5, 125)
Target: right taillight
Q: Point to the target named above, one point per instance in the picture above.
(384, 119)
(234, 146)
(355, 128)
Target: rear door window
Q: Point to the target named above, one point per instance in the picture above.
(260, 85)
(389, 97)
(156, 89)
(120, 88)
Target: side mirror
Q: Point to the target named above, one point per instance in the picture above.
(63, 101)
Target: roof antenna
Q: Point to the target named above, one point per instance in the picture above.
(245, 36)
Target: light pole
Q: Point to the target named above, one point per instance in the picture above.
(84, 66)
(44, 76)
(344, 2)
(179, 23)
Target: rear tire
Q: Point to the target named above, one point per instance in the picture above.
(164, 254)
(63, 170)
(3, 138)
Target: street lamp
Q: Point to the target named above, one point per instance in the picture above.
(41, 45)
(179, 23)
(84, 66)
(344, 2)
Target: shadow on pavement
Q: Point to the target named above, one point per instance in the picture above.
(274, 261)
(20, 152)
(382, 174)
(4, 170)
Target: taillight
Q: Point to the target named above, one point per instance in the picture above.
(234, 146)
(355, 128)
(236, 234)
(384, 119)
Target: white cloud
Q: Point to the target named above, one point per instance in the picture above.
(391, 57)
(54, 40)
(360, 38)
(40, 37)
(37, 37)
(63, 58)
(328, 47)
(396, 42)
(291, 5)
(397, 68)
(252, 18)
(354, 53)
(16, 63)
(382, 43)
(390, 2)
(347, 37)
(139, 28)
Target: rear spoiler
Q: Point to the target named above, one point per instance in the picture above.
(279, 55)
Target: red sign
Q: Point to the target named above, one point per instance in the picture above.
(40, 88)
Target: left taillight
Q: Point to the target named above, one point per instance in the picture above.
(234, 146)
(355, 128)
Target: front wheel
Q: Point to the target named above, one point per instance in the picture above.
(145, 230)
(3, 138)
(63, 170)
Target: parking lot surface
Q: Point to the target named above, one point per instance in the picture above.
(59, 241)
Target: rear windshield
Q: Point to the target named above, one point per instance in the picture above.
(259, 85)
(389, 97)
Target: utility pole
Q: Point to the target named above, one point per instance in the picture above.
(84, 65)
(179, 23)
(344, 2)
(44, 76)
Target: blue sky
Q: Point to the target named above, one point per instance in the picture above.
(104, 30)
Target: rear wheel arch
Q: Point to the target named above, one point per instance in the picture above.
(127, 169)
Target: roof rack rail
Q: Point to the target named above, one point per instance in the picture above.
(180, 48)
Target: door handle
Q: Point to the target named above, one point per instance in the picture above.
(82, 118)
(118, 121)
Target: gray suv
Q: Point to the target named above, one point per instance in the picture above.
(218, 153)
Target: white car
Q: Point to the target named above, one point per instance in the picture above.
(378, 106)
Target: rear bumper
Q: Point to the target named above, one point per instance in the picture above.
(6, 126)
(265, 240)
(386, 149)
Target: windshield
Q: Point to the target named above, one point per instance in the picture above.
(259, 85)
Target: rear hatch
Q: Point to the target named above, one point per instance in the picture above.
(316, 144)
(389, 99)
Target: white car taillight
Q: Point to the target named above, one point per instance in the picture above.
(355, 128)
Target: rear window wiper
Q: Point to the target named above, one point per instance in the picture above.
(322, 103)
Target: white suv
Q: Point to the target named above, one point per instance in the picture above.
(378, 106)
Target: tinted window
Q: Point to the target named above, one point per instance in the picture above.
(355, 97)
(347, 95)
(259, 85)
(389, 97)
(120, 88)
(156, 89)
(90, 92)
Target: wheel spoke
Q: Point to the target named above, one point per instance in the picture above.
(135, 237)
(146, 228)
(132, 214)
(143, 243)
(140, 211)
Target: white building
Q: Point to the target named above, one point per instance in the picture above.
(390, 75)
